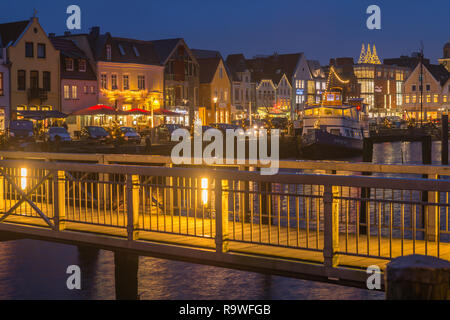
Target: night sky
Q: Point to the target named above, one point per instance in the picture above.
(320, 28)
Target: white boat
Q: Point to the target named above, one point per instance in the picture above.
(333, 129)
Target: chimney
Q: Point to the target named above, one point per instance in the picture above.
(95, 31)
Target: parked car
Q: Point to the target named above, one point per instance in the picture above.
(130, 135)
(54, 134)
(95, 133)
(164, 131)
(21, 131)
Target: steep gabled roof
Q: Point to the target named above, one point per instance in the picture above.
(165, 47)
(439, 72)
(206, 54)
(236, 63)
(10, 32)
(273, 67)
(208, 68)
(315, 69)
(69, 49)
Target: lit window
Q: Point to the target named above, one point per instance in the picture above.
(114, 82)
(66, 92)
(74, 92)
(141, 82)
(103, 81)
(41, 50)
(126, 82)
(436, 98)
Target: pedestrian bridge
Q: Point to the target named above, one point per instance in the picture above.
(323, 221)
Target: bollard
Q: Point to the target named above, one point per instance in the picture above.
(417, 277)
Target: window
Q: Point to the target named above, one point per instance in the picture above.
(41, 51)
(92, 89)
(221, 73)
(74, 92)
(66, 92)
(126, 82)
(29, 50)
(122, 52)
(136, 52)
(141, 82)
(21, 75)
(34, 79)
(1, 83)
(435, 98)
(82, 65)
(428, 87)
(46, 81)
(103, 81)
(407, 99)
(413, 88)
(69, 64)
(108, 52)
(86, 90)
(114, 82)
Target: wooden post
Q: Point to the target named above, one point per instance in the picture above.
(132, 182)
(59, 198)
(365, 192)
(417, 277)
(331, 226)
(221, 219)
(444, 136)
(126, 267)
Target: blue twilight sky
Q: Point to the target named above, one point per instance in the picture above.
(320, 28)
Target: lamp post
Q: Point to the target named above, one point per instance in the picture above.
(215, 108)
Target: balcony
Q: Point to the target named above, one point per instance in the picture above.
(37, 93)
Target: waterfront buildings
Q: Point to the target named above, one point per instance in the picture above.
(243, 88)
(380, 83)
(34, 67)
(430, 102)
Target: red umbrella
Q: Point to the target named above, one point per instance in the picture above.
(96, 110)
(138, 111)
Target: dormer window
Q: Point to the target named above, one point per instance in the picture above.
(69, 64)
(82, 65)
(122, 51)
(108, 52)
(136, 52)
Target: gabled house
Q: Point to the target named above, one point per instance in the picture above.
(34, 67)
(243, 88)
(181, 76)
(435, 78)
(215, 88)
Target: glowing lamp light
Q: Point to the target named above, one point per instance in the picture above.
(204, 184)
(23, 178)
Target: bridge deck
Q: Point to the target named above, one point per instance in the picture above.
(244, 238)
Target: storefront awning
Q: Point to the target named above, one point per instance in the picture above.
(41, 115)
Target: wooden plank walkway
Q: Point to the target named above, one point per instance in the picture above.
(262, 240)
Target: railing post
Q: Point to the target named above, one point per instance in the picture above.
(2, 192)
(59, 196)
(132, 206)
(221, 219)
(432, 222)
(331, 226)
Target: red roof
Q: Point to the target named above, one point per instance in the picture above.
(95, 110)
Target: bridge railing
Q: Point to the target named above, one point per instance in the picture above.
(329, 218)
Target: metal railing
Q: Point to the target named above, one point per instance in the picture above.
(327, 218)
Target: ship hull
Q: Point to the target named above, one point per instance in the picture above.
(320, 144)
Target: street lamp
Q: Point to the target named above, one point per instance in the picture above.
(215, 108)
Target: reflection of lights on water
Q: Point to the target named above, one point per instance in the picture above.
(205, 191)
(23, 178)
